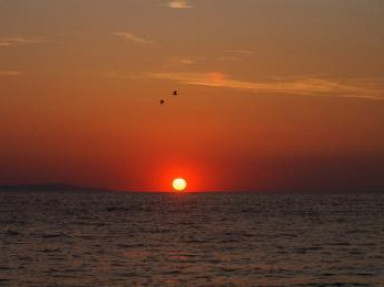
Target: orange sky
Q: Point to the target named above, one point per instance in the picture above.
(274, 94)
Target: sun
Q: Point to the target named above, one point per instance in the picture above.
(179, 184)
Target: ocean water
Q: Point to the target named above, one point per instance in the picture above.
(204, 239)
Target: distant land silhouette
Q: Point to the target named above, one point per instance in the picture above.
(50, 187)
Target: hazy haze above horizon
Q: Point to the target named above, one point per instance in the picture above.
(273, 94)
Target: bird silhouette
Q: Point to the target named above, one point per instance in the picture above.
(174, 93)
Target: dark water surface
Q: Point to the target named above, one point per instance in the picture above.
(117, 239)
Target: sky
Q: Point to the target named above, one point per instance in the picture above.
(274, 95)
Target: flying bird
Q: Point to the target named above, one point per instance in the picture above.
(174, 93)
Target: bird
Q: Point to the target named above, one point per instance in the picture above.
(174, 93)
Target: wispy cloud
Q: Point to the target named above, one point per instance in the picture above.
(179, 4)
(19, 41)
(8, 73)
(229, 59)
(183, 60)
(243, 52)
(232, 55)
(187, 61)
(133, 38)
(302, 87)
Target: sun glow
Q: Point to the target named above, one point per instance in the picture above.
(179, 184)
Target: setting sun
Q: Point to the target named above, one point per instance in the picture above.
(179, 184)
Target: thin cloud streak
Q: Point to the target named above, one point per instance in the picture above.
(8, 73)
(302, 87)
(183, 60)
(19, 41)
(133, 38)
(178, 4)
(233, 55)
(243, 52)
(187, 61)
(230, 59)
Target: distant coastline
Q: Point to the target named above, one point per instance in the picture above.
(51, 187)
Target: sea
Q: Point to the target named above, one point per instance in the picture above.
(191, 239)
